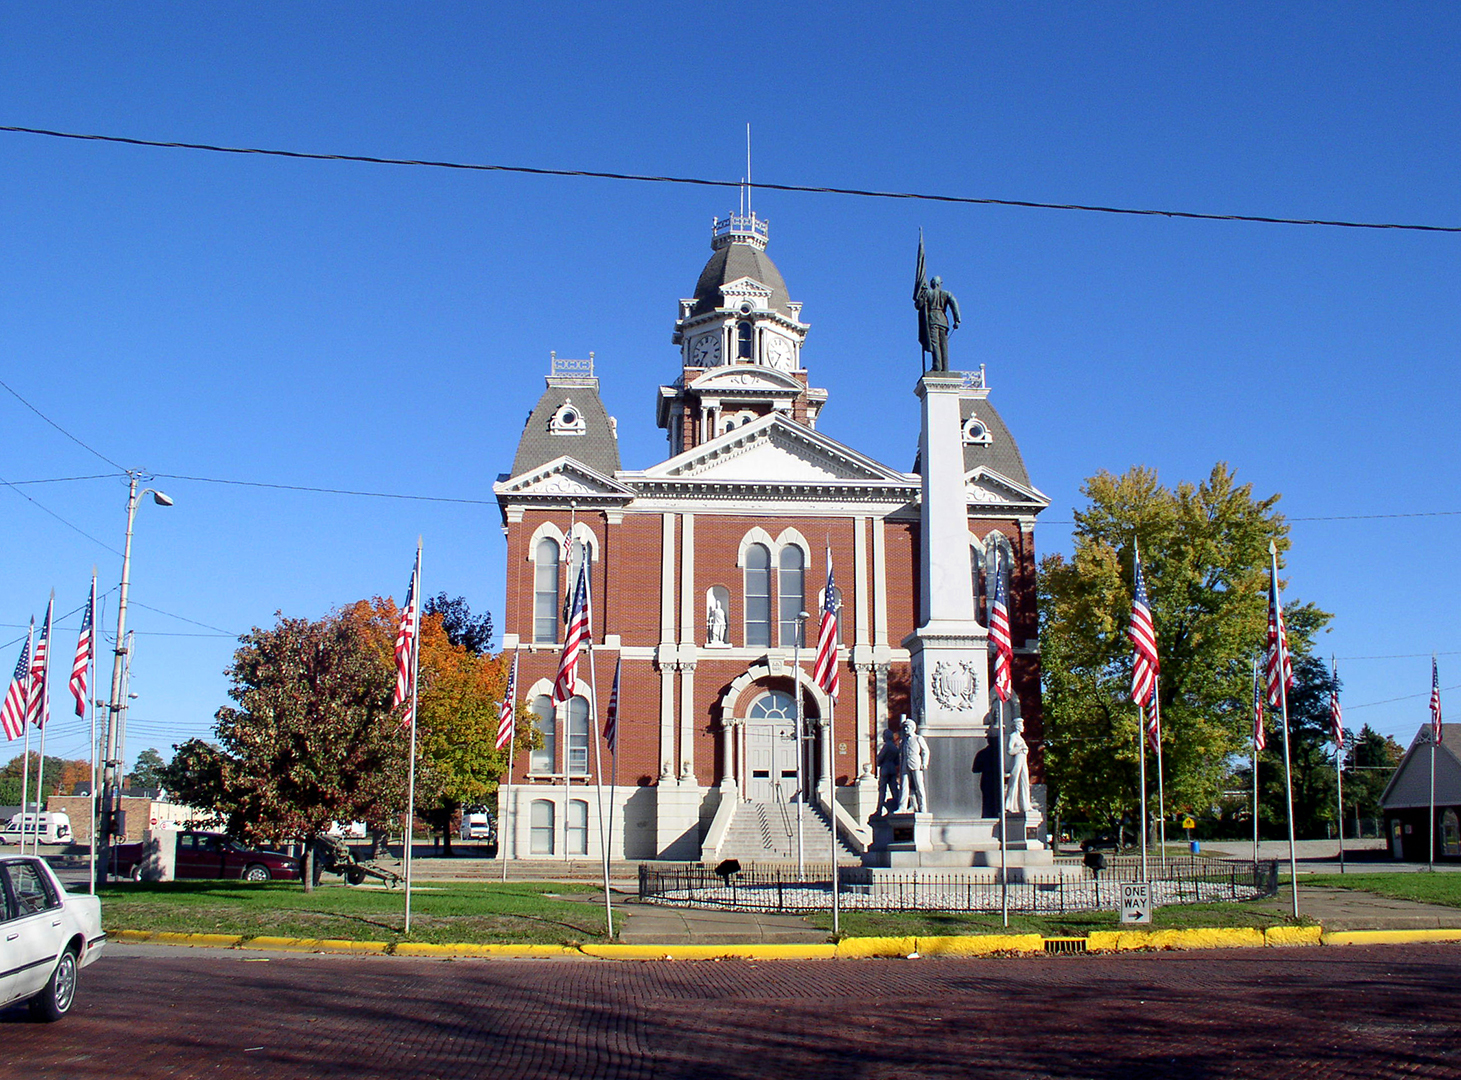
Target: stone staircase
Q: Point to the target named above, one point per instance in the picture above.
(766, 832)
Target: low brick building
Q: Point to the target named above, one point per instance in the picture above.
(700, 565)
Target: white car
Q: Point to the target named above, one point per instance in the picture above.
(47, 936)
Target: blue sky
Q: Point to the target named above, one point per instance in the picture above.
(386, 329)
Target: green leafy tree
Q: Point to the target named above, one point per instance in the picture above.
(313, 738)
(147, 770)
(1371, 760)
(1204, 549)
(471, 632)
(59, 776)
(194, 777)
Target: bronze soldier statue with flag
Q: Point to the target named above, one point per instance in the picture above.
(935, 308)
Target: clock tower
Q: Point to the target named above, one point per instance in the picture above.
(740, 339)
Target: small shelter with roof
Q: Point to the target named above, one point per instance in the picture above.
(1407, 800)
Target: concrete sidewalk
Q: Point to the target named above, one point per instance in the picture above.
(645, 924)
(1349, 909)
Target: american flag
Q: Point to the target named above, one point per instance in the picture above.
(406, 635)
(1280, 666)
(38, 708)
(999, 637)
(1336, 716)
(824, 671)
(1435, 701)
(12, 714)
(1258, 738)
(1143, 635)
(611, 714)
(506, 716)
(85, 651)
(574, 638)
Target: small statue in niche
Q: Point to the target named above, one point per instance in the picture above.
(890, 759)
(715, 623)
(1017, 796)
(914, 762)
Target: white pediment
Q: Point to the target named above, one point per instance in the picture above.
(745, 378)
(563, 477)
(745, 286)
(775, 450)
(985, 487)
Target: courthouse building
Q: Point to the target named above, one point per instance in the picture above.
(702, 563)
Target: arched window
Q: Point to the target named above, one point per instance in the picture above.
(577, 827)
(758, 596)
(976, 571)
(545, 758)
(540, 818)
(774, 705)
(545, 591)
(792, 589)
(745, 341)
(578, 736)
(998, 553)
(579, 551)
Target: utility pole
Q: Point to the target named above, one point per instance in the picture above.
(118, 702)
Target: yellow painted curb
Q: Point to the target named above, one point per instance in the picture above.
(865, 947)
(421, 948)
(1124, 940)
(980, 944)
(220, 941)
(1388, 937)
(129, 935)
(751, 951)
(286, 944)
(1282, 936)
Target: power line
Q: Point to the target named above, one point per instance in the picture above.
(702, 182)
(184, 618)
(327, 491)
(58, 517)
(58, 427)
(1393, 700)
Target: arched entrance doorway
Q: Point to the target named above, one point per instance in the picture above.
(771, 748)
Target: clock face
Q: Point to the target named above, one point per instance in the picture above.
(779, 352)
(706, 351)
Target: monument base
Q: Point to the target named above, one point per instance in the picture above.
(907, 840)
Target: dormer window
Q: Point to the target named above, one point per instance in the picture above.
(745, 341)
(975, 433)
(568, 420)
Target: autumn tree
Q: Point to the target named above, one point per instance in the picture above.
(1204, 550)
(60, 775)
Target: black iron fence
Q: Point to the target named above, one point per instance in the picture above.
(1058, 889)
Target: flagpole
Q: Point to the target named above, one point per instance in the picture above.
(415, 599)
(88, 681)
(1161, 779)
(25, 723)
(1257, 719)
(1004, 822)
(832, 806)
(1283, 699)
(44, 718)
(1435, 734)
(504, 806)
(1338, 765)
(801, 786)
(1141, 743)
(562, 730)
(596, 735)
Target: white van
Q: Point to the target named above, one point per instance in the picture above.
(477, 826)
(55, 827)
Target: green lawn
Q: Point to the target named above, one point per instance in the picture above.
(518, 912)
(1074, 924)
(1442, 888)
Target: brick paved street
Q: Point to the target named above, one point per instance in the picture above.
(1331, 1012)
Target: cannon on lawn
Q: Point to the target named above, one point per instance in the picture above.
(335, 856)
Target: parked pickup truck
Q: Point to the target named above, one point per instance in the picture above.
(212, 855)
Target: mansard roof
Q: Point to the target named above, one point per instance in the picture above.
(592, 439)
(731, 263)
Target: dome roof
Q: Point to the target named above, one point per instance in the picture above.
(731, 262)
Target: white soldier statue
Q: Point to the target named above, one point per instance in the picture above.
(1017, 797)
(890, 765)
(715, 623)
(914, 762)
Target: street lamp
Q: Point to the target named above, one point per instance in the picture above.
(118, 700)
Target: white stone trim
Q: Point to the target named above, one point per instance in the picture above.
(755, 535)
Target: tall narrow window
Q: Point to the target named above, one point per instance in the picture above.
(577, 827)
(976, 571)
(545, 758)
(577, 736)
(540, 816)
(745, 341)
(758, 596)
(545, 591)
(792, 594)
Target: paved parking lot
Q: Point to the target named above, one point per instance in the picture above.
(1332, 1012)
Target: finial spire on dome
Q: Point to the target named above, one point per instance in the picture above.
(743, 227)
